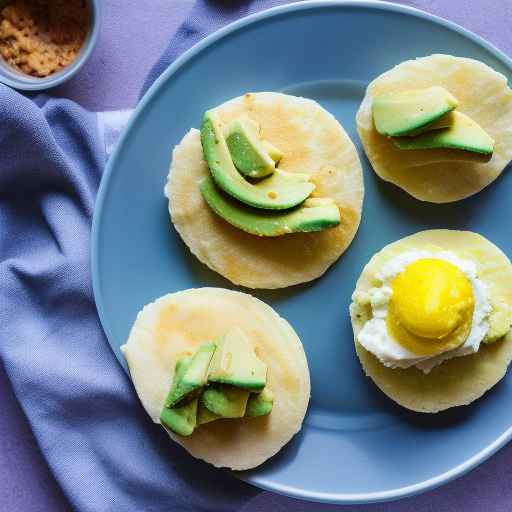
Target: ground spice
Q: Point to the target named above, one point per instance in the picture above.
(40, 37)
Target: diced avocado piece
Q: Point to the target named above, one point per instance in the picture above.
(190, 375)
(464, 134)
(235, 362)
(204, 415)
(398, 113)
(260, 404)
(310, 216)
(225, 401)
(274, 153)
(179, 371)
(279, 191)
(500, 322)
(182, 419)
(247, 150)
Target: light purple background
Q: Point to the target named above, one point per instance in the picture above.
(133, 35)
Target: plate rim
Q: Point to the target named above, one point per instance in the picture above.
(378, 5)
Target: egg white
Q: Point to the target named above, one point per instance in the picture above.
(374, 336)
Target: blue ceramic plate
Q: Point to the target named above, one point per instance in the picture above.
(356, 445)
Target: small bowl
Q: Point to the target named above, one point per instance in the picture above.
(17, 80)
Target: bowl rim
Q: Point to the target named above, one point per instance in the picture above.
(33, 84)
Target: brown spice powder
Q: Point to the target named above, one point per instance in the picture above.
(40, 37)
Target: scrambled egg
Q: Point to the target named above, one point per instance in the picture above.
(429, 307)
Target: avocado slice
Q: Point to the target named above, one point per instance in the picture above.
(191, 373)
(443, 122)
(247, 150)
(260, 404)
(274, 153)
(204, 415)
(464, 134)
(181, 420)
(311, 216)
(399, 113)
(225, 401)
(279, 191)
(235, 362)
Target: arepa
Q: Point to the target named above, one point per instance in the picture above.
(312, 142)
(175, 325)
(461, 380)
(439, 175)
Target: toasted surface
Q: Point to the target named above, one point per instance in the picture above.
(460, 380)
(175, 325)
(440, 175)
(312, 142)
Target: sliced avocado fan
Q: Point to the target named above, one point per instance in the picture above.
(464, 134)
(314, 214)
(279, 191)
(247, 150)
(400, 113)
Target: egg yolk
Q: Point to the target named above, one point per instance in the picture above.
(431, 307)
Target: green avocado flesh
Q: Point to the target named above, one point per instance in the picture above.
(260, 404)
(279, 191)
(247, 151)
(191, 374)
(464, 134)
(235, 362)
(398, 114)
(181, 420)
(310, 216)
(500, 324)
(443, 122)
(221, 380)
(225, 401)
(204, 415)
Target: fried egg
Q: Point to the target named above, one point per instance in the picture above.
(428, 307)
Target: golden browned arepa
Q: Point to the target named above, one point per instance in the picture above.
(441, 175)
(175, 325)
(312, 142)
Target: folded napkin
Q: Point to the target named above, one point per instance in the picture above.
(98, 441)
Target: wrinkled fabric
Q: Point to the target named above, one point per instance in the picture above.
(97, 439)
(206, 17)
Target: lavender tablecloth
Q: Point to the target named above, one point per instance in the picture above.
(133, 35)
